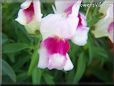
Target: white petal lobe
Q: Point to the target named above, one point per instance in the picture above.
(68, 66)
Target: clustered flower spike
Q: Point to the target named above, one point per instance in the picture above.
(105, 26)
(66, 23)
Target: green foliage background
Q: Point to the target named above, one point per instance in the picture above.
(92, 63)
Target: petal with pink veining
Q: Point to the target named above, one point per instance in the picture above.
(81, 33)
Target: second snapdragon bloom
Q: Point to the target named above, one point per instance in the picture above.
(30, 15)
(105, 26)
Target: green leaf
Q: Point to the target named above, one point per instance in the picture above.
(21, 34)
(99, 53)
(81, 65)
(101, 74)
(21, 62)
(22, 76)
(36, 76)
(90, 46)
(11, 57)
(96, 51)
(14, 47)
(3, 38)
(7, 70)
(34, 61)
(48, 78)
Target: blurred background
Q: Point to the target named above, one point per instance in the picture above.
(93, 63)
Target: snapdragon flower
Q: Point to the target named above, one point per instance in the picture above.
(105, 26)
(30, 15)
(56, 29)
(65, 24)
(53, 54)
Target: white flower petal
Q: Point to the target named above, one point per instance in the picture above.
(102, 27)
(21, 17)
(26, 4)
(26, 13)
(43, 58)
(32, 27)
(110, 12)
(81, 32)
(104, 6)
(56, 24)
(75, 8)
(56, 61)
(68, 65)
(37, 10)
(81, 36)
(61, 5)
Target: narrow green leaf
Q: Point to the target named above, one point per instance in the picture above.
(3, 38)
(101, 52)
(48, 79)
(14, 47)
(90, 46)
(11, 57)
(95, 51)
(81, 65)
(36, 76)
(7, 70)
(21, 34)
(21, 62)
(101, 74)
(22, 76)
(34, 61)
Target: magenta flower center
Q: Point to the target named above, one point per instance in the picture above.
(56, 45)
